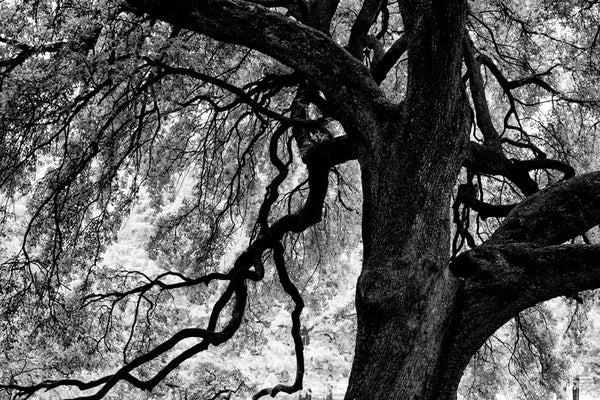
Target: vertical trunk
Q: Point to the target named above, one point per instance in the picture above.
(406, 295)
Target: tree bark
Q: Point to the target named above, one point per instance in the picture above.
(406, 295)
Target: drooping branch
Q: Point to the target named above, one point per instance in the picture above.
(83, 44)
(292, 291)
(209, 336)
(319, 158)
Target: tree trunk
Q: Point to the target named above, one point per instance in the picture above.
(406, 294)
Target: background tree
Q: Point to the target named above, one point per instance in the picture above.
(448, 107)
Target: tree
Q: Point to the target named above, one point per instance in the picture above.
(111, 97)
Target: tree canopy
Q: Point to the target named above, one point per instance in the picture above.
(173, 172)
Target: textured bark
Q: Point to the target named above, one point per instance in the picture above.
(405, 296)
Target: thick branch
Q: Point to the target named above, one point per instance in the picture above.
(525, 262)
(365, 19)
(343, 79)
(321, 14)
(389, 59)
(505, 279)
(555, 214)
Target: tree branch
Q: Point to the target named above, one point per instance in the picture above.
(360, 30)
(482, 112)
(467, 196)
(242, 95)
(321, 14)
(345, 81)
(505, 279)
(292, 291)
(380, 69)
(555, 214)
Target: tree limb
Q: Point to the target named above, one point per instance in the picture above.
(389, 59)
(359, 32)
(345, 81)
(555, 214)
(482, 112)
(505, 279)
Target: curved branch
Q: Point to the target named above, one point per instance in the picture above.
(524, 261)
(505, 279)
(359, 32)
(467, 196)
(555, 214)
(292, 291)
(544, 163)
(345, 81)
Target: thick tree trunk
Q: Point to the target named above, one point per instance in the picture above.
(406, 295)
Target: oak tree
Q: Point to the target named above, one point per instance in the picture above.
(465, 119)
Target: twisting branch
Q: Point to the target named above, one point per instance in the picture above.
(489, 157)
(292, 291)
(272, 190)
